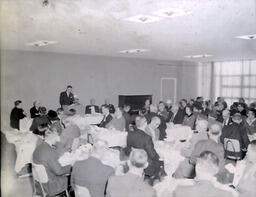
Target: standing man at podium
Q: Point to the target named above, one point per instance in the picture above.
(66, 97)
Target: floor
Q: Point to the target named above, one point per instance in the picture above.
(11, 184)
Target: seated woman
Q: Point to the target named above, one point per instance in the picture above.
(118, 121)
(190, 118)
(47, 156)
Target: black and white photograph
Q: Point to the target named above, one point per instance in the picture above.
(128, 98)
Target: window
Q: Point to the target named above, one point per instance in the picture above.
(235, 79)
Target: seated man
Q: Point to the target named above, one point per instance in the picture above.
(34, 111)
(17, 114)
(247, 182)
(92, 108)
(139, 139)
(235, 131)
(121, 185)
(42, 119)
(250, 124)
(206, 169)
(67, 137)
(107, 116)
(118, 121)
(46, 155)
(152, 128)
(92, 173)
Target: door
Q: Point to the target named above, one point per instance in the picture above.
(168, 89)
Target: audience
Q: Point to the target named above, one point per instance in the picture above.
(221, 135)
(92, 173)
(133, 180)
(47, 156)
(17, 114)
(34, 111)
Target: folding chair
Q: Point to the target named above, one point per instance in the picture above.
(40, 176)
(232, 149)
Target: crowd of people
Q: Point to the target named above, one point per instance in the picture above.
(222, 136)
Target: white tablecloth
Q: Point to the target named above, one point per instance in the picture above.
(25, 143)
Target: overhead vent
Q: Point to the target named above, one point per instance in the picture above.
(144, 19)
(247, 37)
(198, 56)
(134, 51)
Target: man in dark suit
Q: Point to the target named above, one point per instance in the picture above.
(34, 111)
(89, 109)
(139, 139)
(107, 116)
(66, 97)
(236, 131)
(162, 127)
(17, 113)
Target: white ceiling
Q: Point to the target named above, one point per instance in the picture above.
(97, 27)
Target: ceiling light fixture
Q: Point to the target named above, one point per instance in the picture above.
(143, 19)
(134, 51)
(247, 37)
(41, 43)
(198, 56)
(171, 12)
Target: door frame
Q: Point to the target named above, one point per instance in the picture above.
(175, 87)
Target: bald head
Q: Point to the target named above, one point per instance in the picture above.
(215, 129)
(201, 125)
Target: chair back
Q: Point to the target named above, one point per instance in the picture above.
(81, 191)
(39, 173)
(232, 149)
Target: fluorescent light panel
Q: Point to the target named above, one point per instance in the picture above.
(198, 56)
(41, 43)
(134, 51)
(171, 12)
(143, 19)
(247, 37)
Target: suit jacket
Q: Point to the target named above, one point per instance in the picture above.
(139, 139)
(208, 145)
(45, 155)
(190, 121)
(65, 99)
(162, 127)
(16, 115)
(128, 120)
(179, 117)
(34, 112)
(235, 131)
(201, 189)
(39, 121)
(121, 186)
(105, 121)
(88, 109)
(251, 128)
(92, 174)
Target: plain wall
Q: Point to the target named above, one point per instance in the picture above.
(30, 76)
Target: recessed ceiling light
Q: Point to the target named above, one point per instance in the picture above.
(144, 19)
(247, 37)
(198, 56)
(41, 43)
(134, 51)
(171, 12)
